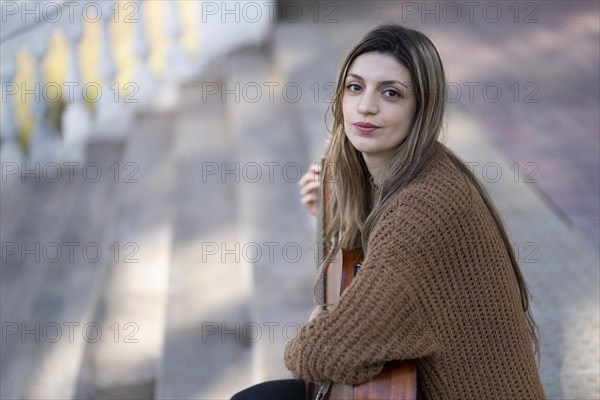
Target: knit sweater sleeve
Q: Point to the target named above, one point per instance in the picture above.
(377, 319)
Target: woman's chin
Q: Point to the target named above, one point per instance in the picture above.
(366, 146)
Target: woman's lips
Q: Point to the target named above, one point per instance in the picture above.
(365, 127)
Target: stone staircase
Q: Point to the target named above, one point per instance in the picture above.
(206, 266)
(49, 282)
(134, 290)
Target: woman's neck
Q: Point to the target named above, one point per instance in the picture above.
(376, 167)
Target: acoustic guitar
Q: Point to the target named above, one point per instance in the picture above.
(398, 379)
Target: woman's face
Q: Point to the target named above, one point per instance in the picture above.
(377, 91)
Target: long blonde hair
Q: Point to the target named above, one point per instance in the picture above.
(354, 203)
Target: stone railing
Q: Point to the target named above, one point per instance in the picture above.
(71, 70)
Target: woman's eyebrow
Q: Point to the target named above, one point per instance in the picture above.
(380, 83)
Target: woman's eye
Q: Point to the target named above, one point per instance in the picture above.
(353, 87)
(393, 93)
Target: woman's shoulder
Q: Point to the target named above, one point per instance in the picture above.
(439, 201)
(441, 187)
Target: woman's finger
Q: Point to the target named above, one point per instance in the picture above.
(309, 187)
(308, 199)
(310, 176)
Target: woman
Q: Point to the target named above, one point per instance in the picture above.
(439, 283)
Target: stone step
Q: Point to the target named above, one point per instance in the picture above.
(55, 296)
(134, 292)
(307, 59)
(35, 218)
(270, 157)
(205, 354)
(17, 182)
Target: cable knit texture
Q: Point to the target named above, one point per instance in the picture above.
(436, 286)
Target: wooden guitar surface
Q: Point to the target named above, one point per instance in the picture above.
(398, 379)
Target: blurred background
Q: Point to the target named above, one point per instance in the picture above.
(153, 243)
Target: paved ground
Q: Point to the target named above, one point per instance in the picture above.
(543, 57)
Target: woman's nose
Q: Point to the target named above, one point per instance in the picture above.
(367, 104)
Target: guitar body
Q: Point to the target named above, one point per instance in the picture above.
(398, 379)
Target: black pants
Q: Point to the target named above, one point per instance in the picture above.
(288, 389)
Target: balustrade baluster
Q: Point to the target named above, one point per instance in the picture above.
(77, 121)
(143, 78)
(44, 143)
(9, 130)
(112, 119)
(178, 63)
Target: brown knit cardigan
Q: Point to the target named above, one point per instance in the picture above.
(436, 286)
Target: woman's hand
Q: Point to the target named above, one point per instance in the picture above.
(316, 311)
(309, 189)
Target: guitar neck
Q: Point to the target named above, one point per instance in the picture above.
(341, 272)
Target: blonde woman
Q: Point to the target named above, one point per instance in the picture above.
(439, 283)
